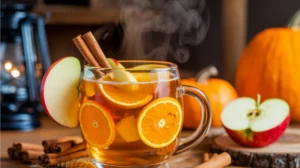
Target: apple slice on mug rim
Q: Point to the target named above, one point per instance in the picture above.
(252, 124)
(59, 89)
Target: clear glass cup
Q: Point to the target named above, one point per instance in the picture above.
(131, 116)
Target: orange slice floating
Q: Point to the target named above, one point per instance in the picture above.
(123, 98)
(160, 122)
(96, 124)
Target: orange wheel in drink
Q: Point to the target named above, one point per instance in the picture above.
(160, 122)
(96, 124)
(123, 98)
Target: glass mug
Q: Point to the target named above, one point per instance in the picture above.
(131, 116)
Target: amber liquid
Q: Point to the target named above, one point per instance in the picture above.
(134, 152)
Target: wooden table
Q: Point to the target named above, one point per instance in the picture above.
(50, 130)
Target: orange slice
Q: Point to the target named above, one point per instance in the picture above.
(96, 124)
(124, 98)
(160, 122)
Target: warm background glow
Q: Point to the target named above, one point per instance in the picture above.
(15, 73)
(8, 66)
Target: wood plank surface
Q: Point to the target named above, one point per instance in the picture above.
(50, 129)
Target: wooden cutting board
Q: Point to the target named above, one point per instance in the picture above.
(285, 153)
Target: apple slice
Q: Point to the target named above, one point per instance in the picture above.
(252, 124)
(114, 63)
(59, 91)
(119, 74)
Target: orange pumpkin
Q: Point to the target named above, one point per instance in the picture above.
(219, 92)
(270, 66)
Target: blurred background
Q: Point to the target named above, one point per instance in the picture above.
(240, 20)
(193, 34)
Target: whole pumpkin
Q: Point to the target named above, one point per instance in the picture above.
(219, 92)
(270, 66)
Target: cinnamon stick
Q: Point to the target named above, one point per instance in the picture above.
(75, 139)
(85, 51)
(96, 49)
(57, 160)
(23, 146)
(73, 149)
(206, 157)
(47, 149)
(46, 157)
(217, 161)
(13, 153)
(29, 155)
(60, 147)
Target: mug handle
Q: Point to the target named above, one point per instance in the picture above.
(204, 125)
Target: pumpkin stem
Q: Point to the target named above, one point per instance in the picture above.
(205, 73)
(295, 20)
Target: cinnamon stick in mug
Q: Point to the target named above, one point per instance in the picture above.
(85, 51)
(96, 49)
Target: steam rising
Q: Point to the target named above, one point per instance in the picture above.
(181, 20)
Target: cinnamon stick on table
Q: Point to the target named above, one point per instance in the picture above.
(217, 161)
(23, 146)
(29, 155)
(60, 144)
(76, 139)
(44, 159)
(60, 159)
(71, 150)
(206, 157)
(13, 153)
(60, 147)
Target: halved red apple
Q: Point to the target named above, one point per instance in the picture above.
(59, 91)
(252, 124)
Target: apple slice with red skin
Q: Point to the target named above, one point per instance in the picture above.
(252, 124)
(59, 91)
(114, 63)
(119, 74)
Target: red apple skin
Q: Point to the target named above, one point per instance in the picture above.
(116, 62)
(42, 88)
(260, 139)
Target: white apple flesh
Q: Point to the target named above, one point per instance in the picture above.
(59, 91)
(251, 124)
(119, 74)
